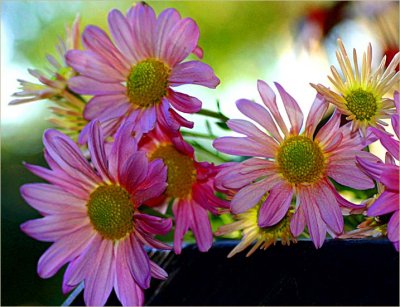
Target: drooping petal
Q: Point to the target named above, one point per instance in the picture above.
(104, 107)
(298, 222)
(201, 227)
(138, 261)
(193, 72)
(154, 224)
(183, 218)
(276, 205)
(387, 202)
(183, 102)
(393, 227)
(157, 271)
(388, 142)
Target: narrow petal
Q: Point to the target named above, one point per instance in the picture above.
(157, 271)
(387, 202)
(298, 222)
(97, 152)
(201, 227)
(276, 205)
(393, 227)
(183, 218)
(165, 23)
(104, 107)
(183, 102)
(315, 115)
(316, 226)
(138, 262)
(134, 171)
(89, 86)
(292, 109)
(388, 142)
(193, 72)
(154, 224)
(244, 147)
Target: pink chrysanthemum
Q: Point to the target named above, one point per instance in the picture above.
(190, 187)
(91, 213)
(388, 175)
(133, 75)
(292, 163)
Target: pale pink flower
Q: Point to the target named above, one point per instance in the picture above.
(91, 211)
(292, 163)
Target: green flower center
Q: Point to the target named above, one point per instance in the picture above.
(361, 104)
(181, 171)
(111, 211)
(300, 160)
(147, 82)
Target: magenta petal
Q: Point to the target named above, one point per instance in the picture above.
(183, 217)
(393, 227)
(269, 99)
(128, 292)
(387, 202)
(104, 107)
(315, 115)
(316, 226)
(260, 115)
(182, 40)
(154, 224)
(292, 109)
(64, 251)
(329, 208)
(276, 205)
(157, 271)
(329, 130)
(201, 227)
(100, 281)
(97, 152)
(390, 177)
(89, 86)
(138, 262)
(388, 142)
(243, 146)
(50, 199)
(193, 72)
(183, 102)
(134, 171)
(250, 195)
(298, 222)
(165, 22)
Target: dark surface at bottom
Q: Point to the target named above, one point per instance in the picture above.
(357, 272)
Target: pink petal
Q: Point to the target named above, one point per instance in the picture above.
(388, 142)
(147, 119)
(100, 281)
(106, 106)
(148, 240)
(53, 227)
(260, 115)
(198, 51)
(269, 99)
(292, 109)
(315, 115)
(329, 208)
(50, 199)
(193, 72)
(298, 222)
(316, 226)
(393, 227)
(276, 205)
(157, 271)
(122, 35)
(201, 227)
(243, 147)
(97, 152)
(329, 130)
(183, 102)
(165, 22)
(96, 40)
(250, 195)
(181, 41)
(64, 250)
(153, 224)
(138, 262)
(89, 86)
(390, 178)
(183, 218)
(387, 202)
(128, 292)
(134, 171)
(89, 64)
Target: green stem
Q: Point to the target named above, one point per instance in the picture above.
(198, 135)
(213, 114)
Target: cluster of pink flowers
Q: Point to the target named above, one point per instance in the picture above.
(128, 157)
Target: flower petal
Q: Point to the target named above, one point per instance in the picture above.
(134, 171)
(138, 262)
(183, 218)
(298, 222)
(393, 227)
(183, 102)
(193, 72)
(388, 142)
(317, 111)
(243, 146)
(89, 86)
(165, 22)
(157, 271)
(387, 202)
(201, 227)
(104, 107)
(97, 151)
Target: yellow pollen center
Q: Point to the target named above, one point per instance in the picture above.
(361, 104)
(181, 171)
(300, 160)
(147, 83)
(111, 211)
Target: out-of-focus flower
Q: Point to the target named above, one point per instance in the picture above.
(91, 213)
(289, 164)
(68, 114)
(132, 76)
(361, 94)
(262, 237)
(190, 186)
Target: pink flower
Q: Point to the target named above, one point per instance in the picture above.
(133, 75)
(190, 187)
(291, 163)
(91, 213)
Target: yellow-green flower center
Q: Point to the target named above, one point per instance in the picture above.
(147, 82)
(181, 171)
(111, 211)
(300, 160)
(361, 104)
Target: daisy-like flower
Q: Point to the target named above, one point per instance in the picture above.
(190, 186)
(91, 213)
(133, 75)
(292, 163)
(360, 95)
(263, 237)
(69, 110)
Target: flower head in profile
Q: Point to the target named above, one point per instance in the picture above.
(68, 112)
(133, 75)
(292, 163)
(190, 186)
(91, 211)
(360, 94)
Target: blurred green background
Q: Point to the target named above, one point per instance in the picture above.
(242, 41)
